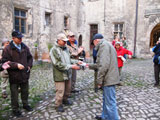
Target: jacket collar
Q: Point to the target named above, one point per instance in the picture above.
(62, 47)
(119, 48)
(99, 44)
(14, 47)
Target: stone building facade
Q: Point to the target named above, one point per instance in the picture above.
(41, 21)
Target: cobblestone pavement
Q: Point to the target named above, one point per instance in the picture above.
(137, 99)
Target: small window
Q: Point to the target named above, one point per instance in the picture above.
(47, 19)
(66, 22)
(20, 20)
(118, 29)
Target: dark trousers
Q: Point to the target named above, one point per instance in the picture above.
(73, 79)
(156, 72)
(95, 80)
(24, 87)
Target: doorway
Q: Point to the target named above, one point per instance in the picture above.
(93, 31)
(155, 34)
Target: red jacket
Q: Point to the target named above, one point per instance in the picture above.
(121, 52)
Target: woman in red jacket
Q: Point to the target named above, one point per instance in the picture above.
(120, 53)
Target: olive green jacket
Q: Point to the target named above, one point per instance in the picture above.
(106, 64)
(61, 62)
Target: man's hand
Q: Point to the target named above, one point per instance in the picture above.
(20, 66)
(28, 69)
(80, 49)
(75, 67)
(6, 65)
(129, 56)
(80, 62)
(99, 86)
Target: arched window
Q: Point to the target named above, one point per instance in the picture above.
(80, 40)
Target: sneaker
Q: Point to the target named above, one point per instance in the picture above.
(17, 113)
(4, 95)
(96, 90)
(98, 117)
(60, 108)
(67, 102)
(28, 108)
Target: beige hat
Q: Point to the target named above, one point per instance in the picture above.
(71, 34)
(118, 43)
(62, 36)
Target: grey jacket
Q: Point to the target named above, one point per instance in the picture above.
(61, 61)
(106, 64)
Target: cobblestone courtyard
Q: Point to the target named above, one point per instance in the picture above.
(137, 99)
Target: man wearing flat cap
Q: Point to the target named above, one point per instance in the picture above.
(20, 64)
(62, 71)
(107, 76)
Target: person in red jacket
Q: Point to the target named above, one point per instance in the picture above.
(120, 53)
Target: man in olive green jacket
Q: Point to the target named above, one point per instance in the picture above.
(107, 77)
(62, 71)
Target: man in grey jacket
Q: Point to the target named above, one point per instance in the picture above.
(107, 77)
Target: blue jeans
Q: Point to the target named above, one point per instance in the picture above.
(110, 111)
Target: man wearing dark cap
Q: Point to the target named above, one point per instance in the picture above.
(20, 64)
(107, 76)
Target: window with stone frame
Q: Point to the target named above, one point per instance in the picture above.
(66, 22)
(118, 30)
(20, 20)
(47, 18)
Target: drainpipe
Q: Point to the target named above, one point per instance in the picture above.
(104, 12)
(13, 14)
(135, 30)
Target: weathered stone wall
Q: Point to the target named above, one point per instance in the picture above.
(6, 20)
(81, 14)
(106, 12)
(36, 29)
(147, 20)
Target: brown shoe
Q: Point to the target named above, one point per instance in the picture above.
(98, 117)
(60, 108)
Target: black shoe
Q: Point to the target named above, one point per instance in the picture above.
(60, 109)
(74, 91)
(28, 108)
(67, 102)
(17, 113)
(96, 90)
(156, 84)
(98, 117)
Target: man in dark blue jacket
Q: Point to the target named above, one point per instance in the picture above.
(156, 60)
